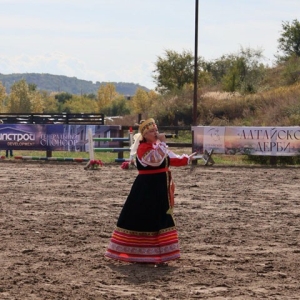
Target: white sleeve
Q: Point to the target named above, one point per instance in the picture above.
(173, 155)
(155, 156)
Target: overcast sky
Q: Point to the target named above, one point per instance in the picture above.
(120, 40)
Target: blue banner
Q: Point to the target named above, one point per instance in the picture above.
(53, 137)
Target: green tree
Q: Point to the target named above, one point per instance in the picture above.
(2, 98)
(244, 72)
(79, 104)
(37, 103)
(19, 98)
(32, 87)
(50, 103)
(140, 102)
(289, 41)
(219, 68)
(63, 97)
(120, 107)
(291, 70)
(241, 72)
(173, 71)
(90, 96)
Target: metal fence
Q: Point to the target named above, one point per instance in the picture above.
(82, 119)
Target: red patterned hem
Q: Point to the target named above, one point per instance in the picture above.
(144, 248)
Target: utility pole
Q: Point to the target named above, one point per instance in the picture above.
(196, 66)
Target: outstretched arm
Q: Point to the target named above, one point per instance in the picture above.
(180, 160)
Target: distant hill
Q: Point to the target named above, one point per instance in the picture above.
(72, 85)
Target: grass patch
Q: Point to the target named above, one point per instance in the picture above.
(220, 159)
(105, 157)
(233, 160)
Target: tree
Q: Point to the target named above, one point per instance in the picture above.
(79, 104)
(2, 97)
(37, 103)
(241, 72)
(63, 97)
(219, 68)
(118, 107)
(291, 70)
(174, 108)
(140, 102)
(105, 95)
(32, 87)
(19, 99)
(50, 104)
(289, 41)
(174, 70)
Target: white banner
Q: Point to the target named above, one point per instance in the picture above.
(269, 141)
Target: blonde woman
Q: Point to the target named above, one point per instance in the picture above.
(146, 231)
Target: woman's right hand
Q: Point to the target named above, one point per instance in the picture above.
(161, 137)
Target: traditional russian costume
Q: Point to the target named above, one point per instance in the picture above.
(146, 230)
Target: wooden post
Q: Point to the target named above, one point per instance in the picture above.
(195, 66)
(176, 123)
(91, 144)
(121, 134)
(194, 162)
(273, 160)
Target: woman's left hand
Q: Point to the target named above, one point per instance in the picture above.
(191, 156)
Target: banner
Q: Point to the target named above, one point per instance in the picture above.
(54, 137)
(269, 141)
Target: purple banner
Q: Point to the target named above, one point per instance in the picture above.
(53, 137)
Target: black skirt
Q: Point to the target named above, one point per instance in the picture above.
(146, 229)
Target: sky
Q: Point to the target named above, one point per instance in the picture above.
(121, 40)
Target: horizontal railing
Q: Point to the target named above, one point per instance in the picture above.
(169, 129)
(81, 119)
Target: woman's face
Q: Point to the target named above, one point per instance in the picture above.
(151, 135)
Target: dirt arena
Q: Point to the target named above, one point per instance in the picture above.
(239, 230)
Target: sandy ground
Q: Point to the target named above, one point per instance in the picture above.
(239, 233)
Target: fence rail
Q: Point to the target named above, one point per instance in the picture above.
(82, 119)
(168, 129)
